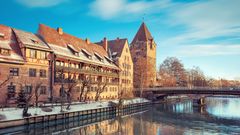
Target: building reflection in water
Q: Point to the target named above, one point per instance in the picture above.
(168, 119)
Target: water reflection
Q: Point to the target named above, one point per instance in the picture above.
(224, 107)
(168, 119)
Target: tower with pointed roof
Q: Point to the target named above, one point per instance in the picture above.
(143, 51)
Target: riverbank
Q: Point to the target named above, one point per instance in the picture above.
(13, 116)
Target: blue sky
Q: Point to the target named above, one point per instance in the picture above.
(204, 33)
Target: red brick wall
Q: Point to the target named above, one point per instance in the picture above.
(23, 79)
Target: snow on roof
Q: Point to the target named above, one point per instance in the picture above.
(114, 53)
(5, 45)
(65, 52)
(9, 42)
(30, 39)
(85, 51)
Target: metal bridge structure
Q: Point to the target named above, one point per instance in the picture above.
(168, 91)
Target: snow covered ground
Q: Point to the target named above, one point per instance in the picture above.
(16, 113)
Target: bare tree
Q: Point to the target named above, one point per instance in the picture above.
(196, 77)
(72, 84)
(140, 74)
(85, 83)
(5, 81)
(120, 97)
(100, 88)
(37, 92)
(2, 92)
(60, 77)
(166, 80)
(86, 93)
(173, 67)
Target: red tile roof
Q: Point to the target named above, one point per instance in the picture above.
(115, 46)
(30, 40)
(143, 34)
(60, 43)
(52, 36)
(9, 42)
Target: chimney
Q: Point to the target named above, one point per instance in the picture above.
(60, 31)
(87, 41)
(105, 44)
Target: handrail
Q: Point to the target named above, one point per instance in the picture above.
(187, 88)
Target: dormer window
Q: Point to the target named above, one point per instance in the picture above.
(34, 41)
(114, 54)
(108, 59)
(87, 54)
(100, 58)
(73, 49)
(2, 35)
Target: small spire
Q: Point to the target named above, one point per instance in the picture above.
(143, 18)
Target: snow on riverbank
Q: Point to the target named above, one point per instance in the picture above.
(16, 113)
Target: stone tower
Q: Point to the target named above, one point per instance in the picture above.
(143, 51)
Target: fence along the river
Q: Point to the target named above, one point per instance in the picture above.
(79, 118)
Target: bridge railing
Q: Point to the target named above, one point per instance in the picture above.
(186, 88)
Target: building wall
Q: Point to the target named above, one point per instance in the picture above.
(22, 79)
(126, 76)
(151, 63)
(75, 73)
(144, 59)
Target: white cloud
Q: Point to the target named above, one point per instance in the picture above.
(110, 9)
(200, 50)
(205, 20)
(40, 3)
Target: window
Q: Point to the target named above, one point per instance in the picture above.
(43, 90)
(28, 89)
(43, 55)
(126, 50)
(32, 72)
(11, 90)
(5, 51)
(33, 54)
(92, 89)
(43, 73)
(2, 35)
(58, 63)
(14, 71)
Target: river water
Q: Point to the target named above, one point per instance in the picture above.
(221, 116)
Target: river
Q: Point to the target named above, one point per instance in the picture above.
(220, 116)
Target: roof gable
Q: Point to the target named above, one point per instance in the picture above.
(30, 40)
(143, 34)
(116, 46)
(9, 42)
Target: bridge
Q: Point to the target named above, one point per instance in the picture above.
(166, 91)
